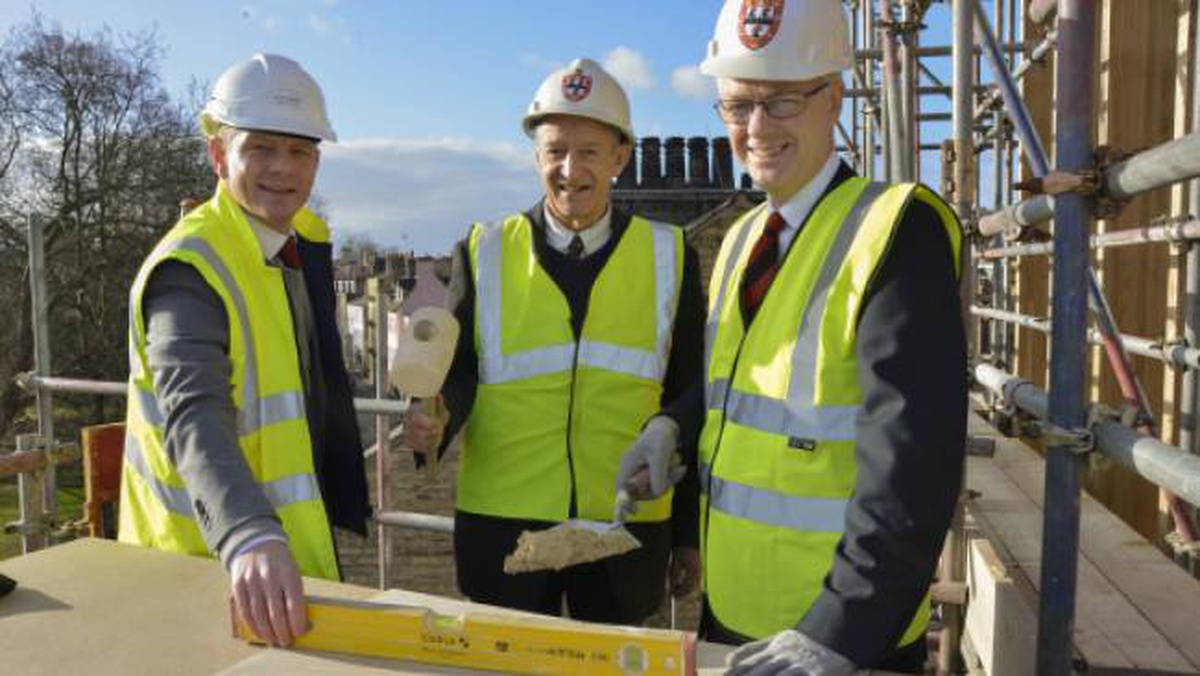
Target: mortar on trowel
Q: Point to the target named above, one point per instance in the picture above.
(422, 359)
(579, 540)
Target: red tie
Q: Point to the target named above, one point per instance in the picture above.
(761, 267)
(290, 254)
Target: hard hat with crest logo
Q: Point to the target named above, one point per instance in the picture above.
(786, 40)
(583, 89)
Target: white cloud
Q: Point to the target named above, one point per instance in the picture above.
(690, 83)
(423, 194)
(630, 68)
(270, 23)
(319, 24)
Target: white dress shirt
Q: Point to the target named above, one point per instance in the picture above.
(594, 237)
(796, 209)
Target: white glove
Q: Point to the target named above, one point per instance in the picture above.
(788, 652)
(653, 451)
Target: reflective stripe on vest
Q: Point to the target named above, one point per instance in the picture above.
(497, 367)
(796, 417)
(281, 492)
(255, 412)
(806, 515)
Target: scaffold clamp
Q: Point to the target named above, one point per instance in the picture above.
(1079, 442)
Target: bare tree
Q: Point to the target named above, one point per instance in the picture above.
(104, 156)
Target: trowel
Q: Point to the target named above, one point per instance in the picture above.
(577, 541)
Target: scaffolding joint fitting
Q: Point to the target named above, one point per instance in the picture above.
(24, 380)
(1060, 182)
(1079, 442)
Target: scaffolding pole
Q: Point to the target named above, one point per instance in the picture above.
(1190, 387)
(40, 320)
(1179, 231)
(1163, 465)
(1074, 110)
(1031, 145)
(897, 141)
(870, 105)
(1171, 352)
(1172, 162)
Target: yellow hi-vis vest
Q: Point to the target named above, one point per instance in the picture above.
(156, 509)
(777, 452)
(552, 416)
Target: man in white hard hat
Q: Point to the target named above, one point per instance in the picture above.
(833, 421)
(241, 440)
(580, 322)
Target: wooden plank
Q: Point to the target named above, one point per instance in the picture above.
(1137, 59)
(1135, 609)
(1000, 623)
(99, 607)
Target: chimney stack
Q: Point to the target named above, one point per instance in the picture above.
(722, 163)
(651, 163)
(698, 162)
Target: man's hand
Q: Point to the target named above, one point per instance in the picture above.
(653, 451)
(685, 571)
(269, 594)
(788, 652)
(425, 425)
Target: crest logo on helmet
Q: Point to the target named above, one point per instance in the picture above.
(576, 86)
(758, 22)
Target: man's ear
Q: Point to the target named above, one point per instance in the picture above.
(836, 95)
(216, 155)
(624, 154)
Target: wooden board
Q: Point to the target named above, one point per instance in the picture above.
(710, 657)
(96, 607)
(1134, 607)
(1001, 622)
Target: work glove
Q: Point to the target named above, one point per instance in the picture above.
(789, 653)
(651, 453)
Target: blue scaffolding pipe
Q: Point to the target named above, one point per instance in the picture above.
(1074, 111)
(1031, 145)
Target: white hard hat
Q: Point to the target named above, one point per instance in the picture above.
(583, 89)
(268, 93)
(785, 40)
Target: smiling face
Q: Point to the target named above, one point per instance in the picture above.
(270, 175)
(782, 155)
(578, 159)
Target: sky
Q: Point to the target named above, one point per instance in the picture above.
(427, 97)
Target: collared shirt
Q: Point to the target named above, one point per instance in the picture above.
(796, 209)
(270, 240)
(594, 237)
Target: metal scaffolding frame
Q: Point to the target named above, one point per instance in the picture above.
(885, 123)
(994, 118)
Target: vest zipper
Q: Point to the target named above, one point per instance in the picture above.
(712, 464)
(573, 508)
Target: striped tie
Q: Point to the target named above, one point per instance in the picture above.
(289, 255)
(761, 267)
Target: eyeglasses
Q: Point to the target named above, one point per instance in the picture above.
(738, 111)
